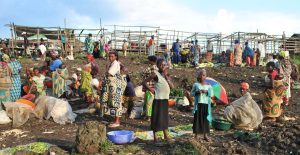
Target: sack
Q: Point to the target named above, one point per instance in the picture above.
(4, 119)
(58, 109)
(136, 112)
(244, 113)
(18, 112)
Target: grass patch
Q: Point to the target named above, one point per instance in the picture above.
(187, 148)
(106, 146)
(295, 59)
(130, 149)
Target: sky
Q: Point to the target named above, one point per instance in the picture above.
(215, 16)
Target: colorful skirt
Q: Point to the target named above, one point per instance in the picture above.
(15, 91)
(148, 101)
(273, 99)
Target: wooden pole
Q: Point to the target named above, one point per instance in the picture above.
(12, 38)
(115, 37)
(140, 41)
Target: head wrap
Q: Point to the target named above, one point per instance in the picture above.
(244, 85)
(79, 69)
(5, 58)
(90, 58)
(284, 54)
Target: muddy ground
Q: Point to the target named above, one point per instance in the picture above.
(281, 137)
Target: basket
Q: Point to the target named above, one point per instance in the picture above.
(221, 124)
(120, 136)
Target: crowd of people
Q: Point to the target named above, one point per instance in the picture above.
(116, 89)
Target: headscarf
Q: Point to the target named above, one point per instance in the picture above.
(5, 58)
(90, 58)
(284, 54)
(244, 86)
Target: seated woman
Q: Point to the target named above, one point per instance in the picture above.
(244, 113)
(274, 93)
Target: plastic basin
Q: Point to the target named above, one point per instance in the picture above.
(221, 124)
(120, 136)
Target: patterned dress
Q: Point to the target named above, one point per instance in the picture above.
(238, 54)
(273, 99)
(59, 82)
(15, 91)
(112, 92)
(89, 45)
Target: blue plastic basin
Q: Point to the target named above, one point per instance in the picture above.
(120, 136)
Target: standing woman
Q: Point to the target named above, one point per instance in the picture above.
(112, 91)
(237, 53)
(5, 79)
(15, 91)
(160, 107)
(59, 78)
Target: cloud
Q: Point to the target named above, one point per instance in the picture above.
(171, 15)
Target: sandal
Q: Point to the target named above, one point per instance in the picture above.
(114, 125)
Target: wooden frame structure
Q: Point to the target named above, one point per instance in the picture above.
(138, 37)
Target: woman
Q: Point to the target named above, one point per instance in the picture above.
(106, 49)
(159, 118)
(285, 68)
(112, 90)
(59, 78)
(273, 94)
(96, 51)
(15, 91)
(244, 113)
(5, 79)
(238, 53)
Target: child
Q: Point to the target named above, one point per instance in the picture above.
(86, 79)
(38, 82)
(76, 77)
(167, 58)
(149, 96)
(129, 93)
(273, 73)
(202, 106)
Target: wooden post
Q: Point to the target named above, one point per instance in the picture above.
(115, 37)
(140, 40)
(37, 36)
(12, 38)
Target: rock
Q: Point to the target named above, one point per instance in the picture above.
(273, 148)
(294, 145)
(53, 150)
(90, 136)
(289, 134)
(287, 141)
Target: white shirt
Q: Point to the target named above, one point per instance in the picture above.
(42, 48)
(114, 68)
(262, 50)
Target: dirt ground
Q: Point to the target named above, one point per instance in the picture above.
(281, 137)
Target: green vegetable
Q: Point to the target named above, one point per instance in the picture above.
(177, 92)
